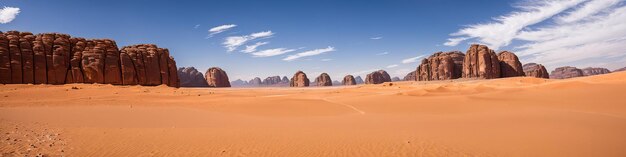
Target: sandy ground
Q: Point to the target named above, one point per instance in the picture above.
(502, 117)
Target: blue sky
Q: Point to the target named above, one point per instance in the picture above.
(338, 37)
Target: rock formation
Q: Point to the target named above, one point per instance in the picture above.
(323, 80)
(285, 80)
(53, 58)
(216, 77)
(441, 66)
(348, 80)
(377, 77)
(481, 62)
(299, 79)
(595, 71)
(191, 77)
(358, 80)
(394, 79)
(272, 80)
(510, 66)
(566, 72)
(616, 70)
(411, 76)
(239, 83)
(337, 83)
(535, 70)
(255, 82)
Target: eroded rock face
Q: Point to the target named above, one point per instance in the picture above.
(566, 72)
(510, 66)
(481, 62)
(299, 79)
(348, 80)
(255, 82)
(216, 77)
(535, 70)
(324, 80)
(595, 71)
(377, 77)
(359, 80)
(272, 80)
(191, 77)
(285, 80)
(53, 58)
(441, 66)
(411, 76)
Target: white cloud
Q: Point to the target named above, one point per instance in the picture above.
(326, 59)
(505, 28)
(231, 43)
(376, 38)
(411, 60)
(220, 29)
(364, 72)
(392, 66)
(271, 52)
(196, 26)
(309, 53)
(252, 48)
(8, 14)
(588, 9)
(455, 41)
(402, 72)
(383, 53)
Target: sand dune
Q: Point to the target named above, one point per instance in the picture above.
(518, 116)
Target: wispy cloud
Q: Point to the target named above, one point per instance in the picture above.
(196, 26)
(411, 60)
(588, 9)
(309, 53)
(231, 43)
(326, 59)
(392, 66)
(252, 48)
(383, 53)
(505, 28)
(271, 52)
(220, 29)
(376, 38)
(8, 14)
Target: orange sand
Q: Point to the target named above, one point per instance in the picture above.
(502, 117)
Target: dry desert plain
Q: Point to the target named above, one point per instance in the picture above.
(519, 116)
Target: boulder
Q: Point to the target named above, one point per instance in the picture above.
(411, 76)
(510, 66)
(535, 70)
(216, 77)
(481, 62)
(323, 80)
(299, 79)
(595, 71)
(191, 77)
(441, 66)
(566, 72)
(348, 80)
(377, 77)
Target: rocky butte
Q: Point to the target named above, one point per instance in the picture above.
(566, 72)
(216, 77)
(299, 79)
(535, 70)
(377, 77)
(348, 80)
(323, 80)
(54, 58)
(191, 77)
(441, 66)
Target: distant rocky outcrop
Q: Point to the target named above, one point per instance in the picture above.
(348, 80)
(510, 66)
(595, 71)
(272, 80)
(566, 72)
(359, 80)
(216, 77)
(441, 66)
(299, 79)
(481, 62)
(377, 77)
(285, 80)
(54, 58)
(411, 76)
(394, 79)
(323, 80)
(620, 69)
(255, 82)
(239, 83)
(535, 70)
(191, 77)
(337, 83)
